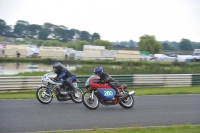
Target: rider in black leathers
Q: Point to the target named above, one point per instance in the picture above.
(106, 78)
(65, 74)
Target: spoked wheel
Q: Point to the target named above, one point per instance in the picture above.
(43, 96)
(128, 102)
(89, 102)
(79, 99)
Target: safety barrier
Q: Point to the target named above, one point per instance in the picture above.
(133, 81)
(32, 82)
(195, 79)
(163, 80)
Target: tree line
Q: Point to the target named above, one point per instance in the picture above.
(149, 43)
(49, 34)
(47, 31)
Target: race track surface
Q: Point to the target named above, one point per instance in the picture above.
(31, 116)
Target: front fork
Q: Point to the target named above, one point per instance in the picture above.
(92, 95)
(49, 90)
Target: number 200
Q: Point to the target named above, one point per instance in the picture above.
(108, 93)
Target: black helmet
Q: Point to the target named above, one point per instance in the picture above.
(57, 67)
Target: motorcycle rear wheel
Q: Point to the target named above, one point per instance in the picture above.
(128, 102)
(79, 99)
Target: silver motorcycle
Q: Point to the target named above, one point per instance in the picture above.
(45, 92)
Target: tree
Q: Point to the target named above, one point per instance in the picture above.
(166, 46)
(175, 45)
(8, 31)
(77, 34)
(63, 34)
(84, 35)
(33, 30)
(77, 45)
(47, 31)
(131, 43)
(196, 45)
(60, 34)
(149, 43)
(62, 27)
(21, 28)
(39, 42)
(185, 45)
(71, 45)
(49, 26)
(124, 43)
(107, 44)
(2, 26)
(44, 33)
(70, 35)
(81, 43)
(22, 22)
(95, 36)
(52, 43)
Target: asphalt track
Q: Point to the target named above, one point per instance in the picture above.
(31, 116)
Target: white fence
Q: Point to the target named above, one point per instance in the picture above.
(133, 81)
(162, 80)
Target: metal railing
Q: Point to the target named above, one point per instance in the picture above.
(162, 80)
(133, 81)
(32, 82)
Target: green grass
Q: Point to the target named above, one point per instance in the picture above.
(167, 90)
(170, 129)
(40, 73)
(138, 91)
(18, 95)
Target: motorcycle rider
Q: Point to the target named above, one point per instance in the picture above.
(106, 78)
(66, 75)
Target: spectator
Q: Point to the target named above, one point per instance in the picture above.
(18, 54)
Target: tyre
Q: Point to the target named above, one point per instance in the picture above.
(89, 102)
(41, 95)
(79, 99)
(128, 102)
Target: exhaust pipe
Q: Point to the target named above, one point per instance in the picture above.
(64, 93)
(130, 93)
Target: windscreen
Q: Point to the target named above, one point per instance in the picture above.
(88, 80)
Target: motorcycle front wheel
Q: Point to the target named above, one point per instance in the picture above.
(89, 102)
(42, 95)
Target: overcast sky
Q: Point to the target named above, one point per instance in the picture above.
(114, 20)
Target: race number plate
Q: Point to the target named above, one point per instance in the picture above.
(44, 77)
(108, 93)
(76, 85)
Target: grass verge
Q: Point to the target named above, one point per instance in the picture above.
(18, 95)
(171, 129)
(138, 91)
(167, 90)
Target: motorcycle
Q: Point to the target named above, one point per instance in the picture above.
(44, 93)
(103, 93)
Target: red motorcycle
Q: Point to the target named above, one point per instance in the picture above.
(103, 93)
